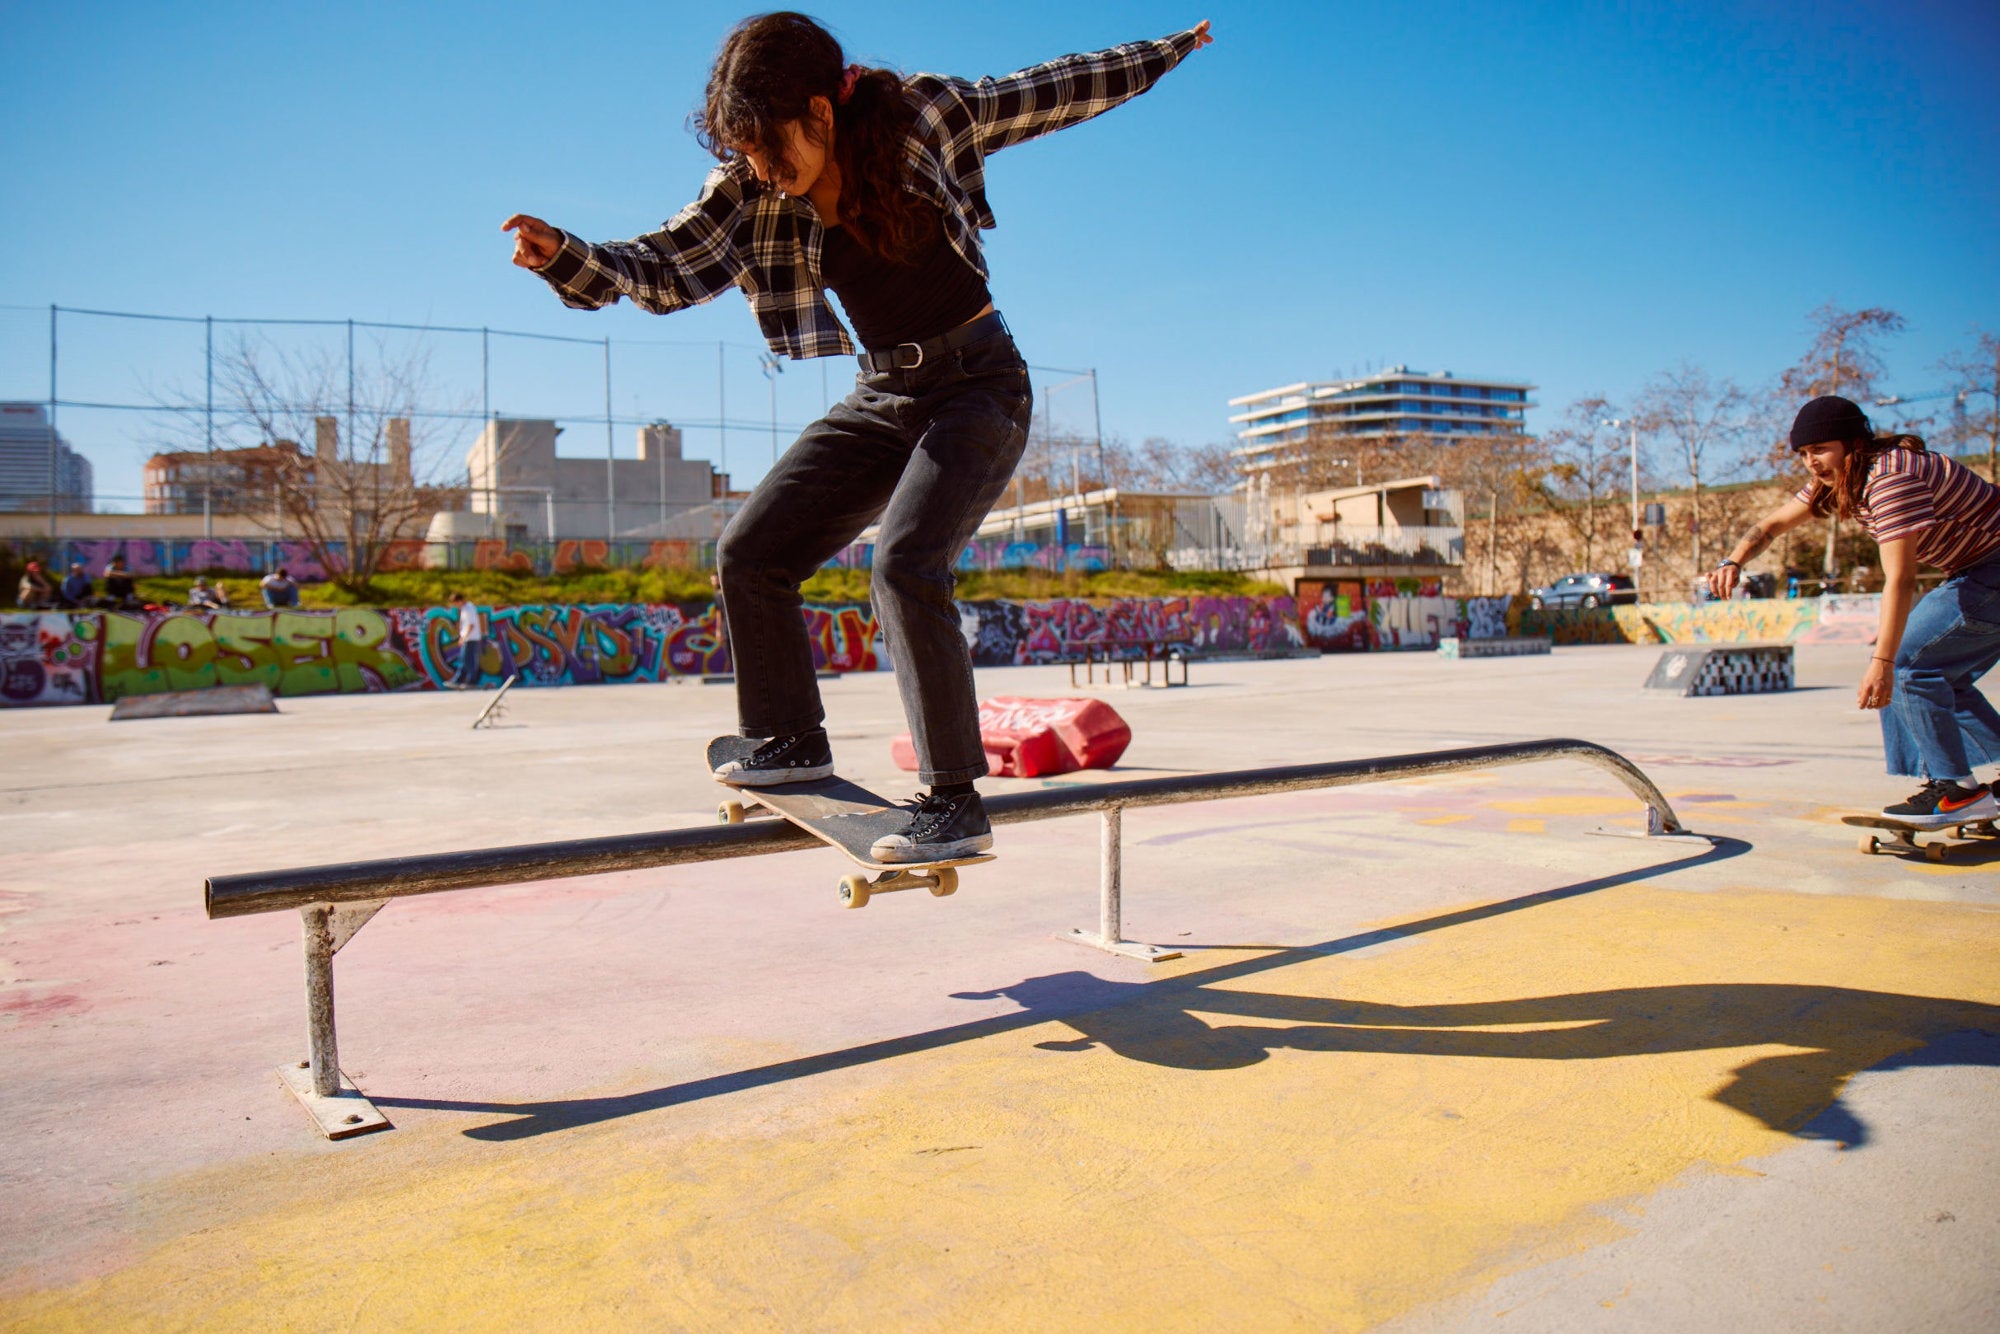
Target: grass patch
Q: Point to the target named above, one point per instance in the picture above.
(433, 588)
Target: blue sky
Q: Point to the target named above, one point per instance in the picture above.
(1578, 196)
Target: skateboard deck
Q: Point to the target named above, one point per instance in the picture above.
(842, 815)
(1905, 838)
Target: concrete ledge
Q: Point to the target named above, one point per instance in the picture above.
(195, 703)
(1513, 647)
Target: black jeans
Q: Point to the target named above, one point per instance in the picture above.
(927, 451)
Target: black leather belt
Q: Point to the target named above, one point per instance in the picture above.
(909, 356)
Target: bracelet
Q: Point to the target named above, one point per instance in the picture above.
(1737, 563)
(1879, 658)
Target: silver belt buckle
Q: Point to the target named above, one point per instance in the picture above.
(898, 355)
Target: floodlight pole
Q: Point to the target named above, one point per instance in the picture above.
(208, 470)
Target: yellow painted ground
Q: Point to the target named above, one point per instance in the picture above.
(1257, 1142)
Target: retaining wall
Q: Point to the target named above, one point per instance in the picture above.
(97, 657)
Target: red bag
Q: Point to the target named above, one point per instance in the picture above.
(1027, 738)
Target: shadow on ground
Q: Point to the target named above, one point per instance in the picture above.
(1841, 1030)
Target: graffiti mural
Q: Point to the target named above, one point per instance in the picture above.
(1743, 621)
(99, 657)
(1333, 615)
(43, 659)
(1060, 629)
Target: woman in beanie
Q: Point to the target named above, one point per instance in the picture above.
(871, 184)
(1921, 509)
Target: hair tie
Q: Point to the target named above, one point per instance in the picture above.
(849, 79)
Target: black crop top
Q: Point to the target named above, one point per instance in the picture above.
(890, 303)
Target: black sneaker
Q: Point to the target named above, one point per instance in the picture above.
(940, 828)
(782, 759)
(1940, 804)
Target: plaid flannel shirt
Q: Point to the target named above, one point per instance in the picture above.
(741, 233)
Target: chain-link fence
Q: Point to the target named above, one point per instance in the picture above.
(120, 413)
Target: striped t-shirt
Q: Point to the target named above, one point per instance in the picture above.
(1953, 512)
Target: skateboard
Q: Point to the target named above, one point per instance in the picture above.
(840, 814)
(494, 708)
(1905, 840)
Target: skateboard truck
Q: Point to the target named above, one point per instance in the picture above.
(856, 890)
(843, 815)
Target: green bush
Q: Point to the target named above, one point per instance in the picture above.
(433, 588)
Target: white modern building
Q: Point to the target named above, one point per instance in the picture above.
(1393, 403)
(26, 439)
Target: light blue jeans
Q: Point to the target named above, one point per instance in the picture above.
(1939, 725)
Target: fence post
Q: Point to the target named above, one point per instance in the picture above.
(208, 467)
(610, 454)
(55, 446)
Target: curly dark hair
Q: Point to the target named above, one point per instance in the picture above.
(767, 73)
(1844, 498)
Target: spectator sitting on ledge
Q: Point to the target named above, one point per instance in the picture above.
(37, 593)
(121, 591)
(279, 590)
(77, 588)
(207, 596)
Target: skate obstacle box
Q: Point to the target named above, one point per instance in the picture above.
(195, 703)
(334, 902)
(1030, 738)
(1514, 647)
(1732, 669)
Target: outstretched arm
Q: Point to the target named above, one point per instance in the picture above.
(688, 261)
(1722, 579)
(1072, 89)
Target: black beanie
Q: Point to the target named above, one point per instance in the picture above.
(1830, 417)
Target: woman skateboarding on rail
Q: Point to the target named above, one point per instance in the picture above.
(1921, 508)
(835, 176)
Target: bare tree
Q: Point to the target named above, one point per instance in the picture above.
(1706, 422)
(1841, 359)
(1159, 464)
(361, 484)
(1506, 471)
(1976, 374)
(1585, 459)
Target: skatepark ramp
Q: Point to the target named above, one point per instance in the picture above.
(335, 901)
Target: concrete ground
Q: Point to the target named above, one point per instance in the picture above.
(1435, 1058)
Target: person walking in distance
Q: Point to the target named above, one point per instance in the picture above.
(873, 185)
(471, 643)
(1921, 509)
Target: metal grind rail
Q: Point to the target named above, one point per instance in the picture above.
(336, 901)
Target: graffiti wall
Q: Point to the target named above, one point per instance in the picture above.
(1356, 615)
(1849, 619)
(99, 657)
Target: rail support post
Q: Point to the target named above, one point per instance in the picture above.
(331, 1099)
(1110, 933)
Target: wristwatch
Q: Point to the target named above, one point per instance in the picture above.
(1737, 563)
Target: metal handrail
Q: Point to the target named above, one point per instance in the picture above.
(399, 877)
(336, 901)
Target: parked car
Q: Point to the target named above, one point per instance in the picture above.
(1585, 590)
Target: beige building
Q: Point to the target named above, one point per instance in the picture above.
(1394, 529)
(519, 489)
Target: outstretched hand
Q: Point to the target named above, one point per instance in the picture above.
(1201, 37)
(535, 242)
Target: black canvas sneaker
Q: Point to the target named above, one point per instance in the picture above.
(941, 827)
(782, 759)
(1941, 803)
